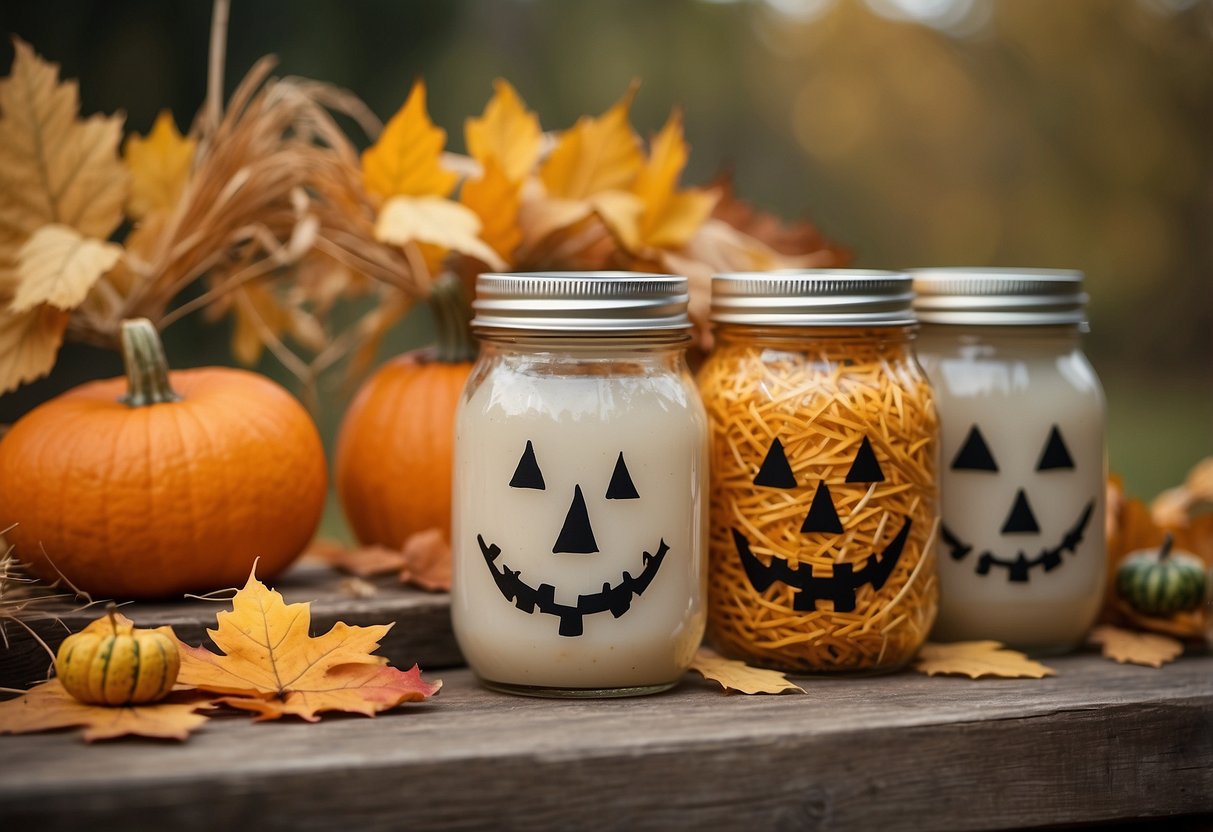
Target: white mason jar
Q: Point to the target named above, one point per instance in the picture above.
(579, 487)
(1023, 474)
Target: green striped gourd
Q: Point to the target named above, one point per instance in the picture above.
(1160, 581)
(110, 662)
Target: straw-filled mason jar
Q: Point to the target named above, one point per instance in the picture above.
(823, 443)
(580, 487)
(1023, 481)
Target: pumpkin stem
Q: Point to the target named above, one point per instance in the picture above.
(146, 366)
(1164, 551)
(452, 318)
(110, 609)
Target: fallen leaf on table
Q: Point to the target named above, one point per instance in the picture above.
(739, 676)
(1183, 625)
(362, 561)
(976, 659)
(48, 707)
(427, 561)
(1128, 647)
(355, 587)
(270, 664)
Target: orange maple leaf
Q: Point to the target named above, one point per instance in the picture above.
(48, 707)
(495, 199)
(270, 664)
(670, 216)
(506, 132)
(406, 160)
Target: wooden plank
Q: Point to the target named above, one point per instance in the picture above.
(1099, 742)
(422, 633)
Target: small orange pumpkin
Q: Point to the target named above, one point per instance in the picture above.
(393, 463)
(177, 486)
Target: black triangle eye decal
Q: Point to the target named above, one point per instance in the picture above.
(775, 471)
(974, 454)
(527, 474)
(621, 487)
(865, 468)
(1055, 454)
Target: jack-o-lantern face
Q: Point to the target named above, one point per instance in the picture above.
(575, 537)
(975, 455)
(822, 520)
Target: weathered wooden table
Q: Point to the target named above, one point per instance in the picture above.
(1097, 743)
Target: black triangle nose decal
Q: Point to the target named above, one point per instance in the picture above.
(1021, 518)
(1055, 454)
(527, 474)
(621, 487)
(866, 467)
(576, 536)
(822, 516)
(974, 454)
(775, 471)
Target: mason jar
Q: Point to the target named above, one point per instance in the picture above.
(580, 487)
(823, 442)
(1022, 557)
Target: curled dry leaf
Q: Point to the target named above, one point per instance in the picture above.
(49, 707)
(735, 676)
(976, 659)
(427, 561)
(270, 664)
(362, 561)
(1128, 647)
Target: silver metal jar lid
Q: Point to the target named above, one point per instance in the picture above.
(812, 297)
(588, 302)
(999, 297)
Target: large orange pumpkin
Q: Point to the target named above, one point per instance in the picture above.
(393, 464)
(163, 483)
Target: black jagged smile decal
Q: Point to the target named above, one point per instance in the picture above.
(1020, 567)
(822, 517)
(615, 599)
(839, 587)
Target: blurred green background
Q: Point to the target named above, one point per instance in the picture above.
(1071, 134)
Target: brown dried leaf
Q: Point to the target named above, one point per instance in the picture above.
(58, 266)
(976, 659)
(1128, 647)
(791, 239)
(427, 561)
(29, 342)
(365, 561)
(739, 677)
(49, 707)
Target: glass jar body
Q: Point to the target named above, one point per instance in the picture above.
(823, 497)
(1022, 551)
(578, 540)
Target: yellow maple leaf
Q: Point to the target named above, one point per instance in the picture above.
(29, 342)
(436, 221)
(54, 166)
(739, 676)
(48, 707)
(506, 132)
(496, 200)
(58, 267)
(160, 166)
(1128, 647)
(406, 160)
(270, 664)
(596, 154)
(671, 217)
(976, 659)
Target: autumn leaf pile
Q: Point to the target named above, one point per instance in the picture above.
(267, 664)
(266, 204)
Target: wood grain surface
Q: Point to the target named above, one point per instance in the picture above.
(422, 633)
(1099, 742)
